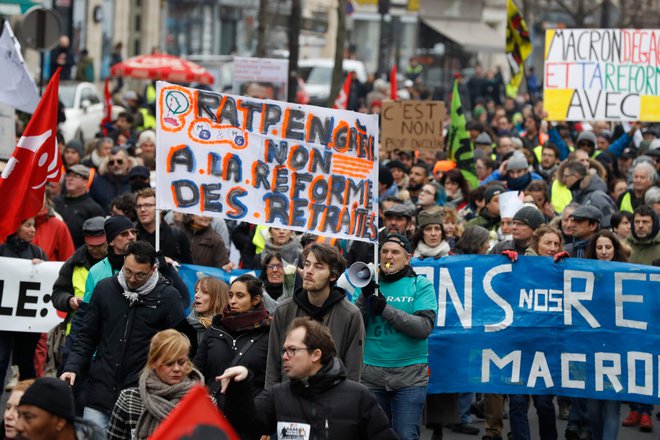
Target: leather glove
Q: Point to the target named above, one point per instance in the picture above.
(512, 255)
(560, 256)
(377, 303)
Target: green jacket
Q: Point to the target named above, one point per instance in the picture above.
(644, 251)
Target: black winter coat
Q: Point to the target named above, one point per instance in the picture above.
(173, 242)
(63, 287)
(17, 248)
(75, 211)
(334, 407)
(219, 348)
(120, 335)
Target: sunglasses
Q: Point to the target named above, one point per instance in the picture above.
(116, 161)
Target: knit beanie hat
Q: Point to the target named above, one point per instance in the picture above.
(517, 162)
(531, 216)
(75, 145)
(115, 225)
(52, 395)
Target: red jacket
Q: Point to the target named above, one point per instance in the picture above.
(53, 237)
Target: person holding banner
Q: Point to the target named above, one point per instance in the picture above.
(20, 346)
(399, 317)
(604, 415)
(546, 242)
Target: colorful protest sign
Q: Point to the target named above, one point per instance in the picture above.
(412, 125)
(579, 328)
(602, 74)
(274, 163)
(265, 78)
(25, 295)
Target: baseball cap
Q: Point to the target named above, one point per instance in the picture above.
(399, 239)
(94, 231)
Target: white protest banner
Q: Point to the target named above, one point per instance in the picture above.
(7, 131)
(265, 78)
(25, 295)
(602, 74)
(275, 163)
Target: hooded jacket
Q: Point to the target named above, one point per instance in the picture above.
(342, 318)
(120, 333)
(647, 250)
(326, 404)
(592, 190)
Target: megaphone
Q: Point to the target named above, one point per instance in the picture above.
(360, 274)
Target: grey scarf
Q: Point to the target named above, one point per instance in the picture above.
(146, 288)
(159, 398)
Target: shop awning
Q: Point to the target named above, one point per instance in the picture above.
(15, 7)
(471, 35)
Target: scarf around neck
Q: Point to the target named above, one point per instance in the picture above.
(250, 320)
(424, 251)
(146, 288)
(159, 398)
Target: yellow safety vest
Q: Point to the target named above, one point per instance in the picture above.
(148, 120)
(259, 240)
(626, 203)
(561, 196)
(78, 279)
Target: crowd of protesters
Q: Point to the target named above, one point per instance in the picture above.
(580, 190)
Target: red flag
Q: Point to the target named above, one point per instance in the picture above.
(195, 417)
(107, 119)
(342, 100)
(393, 83)
(35, 161)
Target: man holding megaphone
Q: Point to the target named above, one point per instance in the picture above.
(399, 316)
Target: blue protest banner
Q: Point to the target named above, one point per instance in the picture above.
(579, 328)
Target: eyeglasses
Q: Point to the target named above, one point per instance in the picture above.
(291, 351)
(144, 206)
(566, 176)
(116, 161)
(140, 276)
(429, 192)
(275, 267)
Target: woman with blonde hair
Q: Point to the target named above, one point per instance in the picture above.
(11, 410)
(211, 298)
(167, 377)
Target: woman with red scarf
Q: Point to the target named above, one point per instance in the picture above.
(238, 336)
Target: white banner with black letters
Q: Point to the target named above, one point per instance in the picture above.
(25, 295)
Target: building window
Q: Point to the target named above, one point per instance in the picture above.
(138, 22)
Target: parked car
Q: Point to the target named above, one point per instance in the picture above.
(84, 110)
(317, 74)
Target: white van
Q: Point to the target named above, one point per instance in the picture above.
(317, 74)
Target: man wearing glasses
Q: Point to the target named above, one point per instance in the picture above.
(125, 312)
(173, 242)
(112, 179)
(317, 401)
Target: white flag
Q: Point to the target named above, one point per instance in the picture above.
(17, 87)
